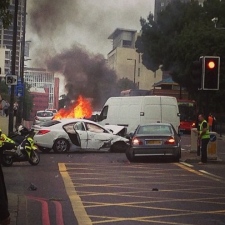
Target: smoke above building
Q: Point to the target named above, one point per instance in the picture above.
(85, 73)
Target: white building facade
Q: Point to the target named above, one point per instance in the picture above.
(37, 78)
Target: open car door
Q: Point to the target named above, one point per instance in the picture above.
(77, 134)
(98, 137)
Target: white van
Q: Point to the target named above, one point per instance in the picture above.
(138, 110)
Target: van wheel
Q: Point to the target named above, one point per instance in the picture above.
(119, 147)
(130, 155)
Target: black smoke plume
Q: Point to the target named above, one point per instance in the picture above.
(85, 74)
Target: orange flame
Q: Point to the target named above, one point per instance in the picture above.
(80, 109)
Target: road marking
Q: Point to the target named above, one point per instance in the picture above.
(45, 211)
(186, 164)
(210, 174)
(188, 169)
(59, 217)
(77, 205)
(200, 172)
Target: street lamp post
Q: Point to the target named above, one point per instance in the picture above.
(13, 68)
(134, 72)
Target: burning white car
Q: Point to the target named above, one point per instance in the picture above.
(78, 134)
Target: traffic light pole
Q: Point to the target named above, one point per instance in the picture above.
(19, 114)
(13, 69)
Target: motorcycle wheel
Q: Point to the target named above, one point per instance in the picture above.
(7, 160)
(34, 158)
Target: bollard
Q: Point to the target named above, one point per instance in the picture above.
(212, 146)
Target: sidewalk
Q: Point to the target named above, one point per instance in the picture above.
(18, 209)
(17, 203)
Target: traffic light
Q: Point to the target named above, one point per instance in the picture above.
(196, 73)
(11, 80)
(211, 72)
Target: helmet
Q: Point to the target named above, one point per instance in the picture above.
(22, 130)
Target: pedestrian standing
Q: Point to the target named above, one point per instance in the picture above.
(2, 107)
(4, 212)
(210, 121)
(203, 137)
(6, 108)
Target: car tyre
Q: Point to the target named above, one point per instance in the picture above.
(130, 155)
(177, 158)
(61, 145)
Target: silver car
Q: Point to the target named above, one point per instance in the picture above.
(43, 116)
(155, 139)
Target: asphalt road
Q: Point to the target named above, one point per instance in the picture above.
(104, 188)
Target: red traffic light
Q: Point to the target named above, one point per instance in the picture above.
(211, 64)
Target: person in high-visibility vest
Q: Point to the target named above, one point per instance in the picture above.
(4, 211)
(204, 137)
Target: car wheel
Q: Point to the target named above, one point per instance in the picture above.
(177, 157)
(61, 145)
(44, 150)
(119, 147)
(130, 155)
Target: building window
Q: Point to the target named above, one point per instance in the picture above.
(139, 58)
(127, 43)
(139, 72)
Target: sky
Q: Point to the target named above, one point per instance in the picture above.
(58, 24)
(62, 33)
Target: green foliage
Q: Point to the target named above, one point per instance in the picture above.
(5, 14)
(4, 91)
(27, 99)
(182, 33)
(124, 84)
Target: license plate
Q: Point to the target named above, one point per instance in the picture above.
(153, 142)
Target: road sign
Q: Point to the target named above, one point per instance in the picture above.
(19, 90)
(11, 79)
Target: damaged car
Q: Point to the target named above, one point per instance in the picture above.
(79, 135)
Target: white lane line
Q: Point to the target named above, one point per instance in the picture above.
(210, 174)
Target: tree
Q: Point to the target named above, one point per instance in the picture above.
(182, 33)
(28, 101)
(124, 84)
(5, 14)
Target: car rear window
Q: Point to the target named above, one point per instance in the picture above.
(50, 123)
(44, 114)
(155, 129)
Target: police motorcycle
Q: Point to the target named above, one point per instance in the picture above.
(24, 150)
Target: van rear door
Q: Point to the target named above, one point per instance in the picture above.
(151, 110)
(170, 112)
